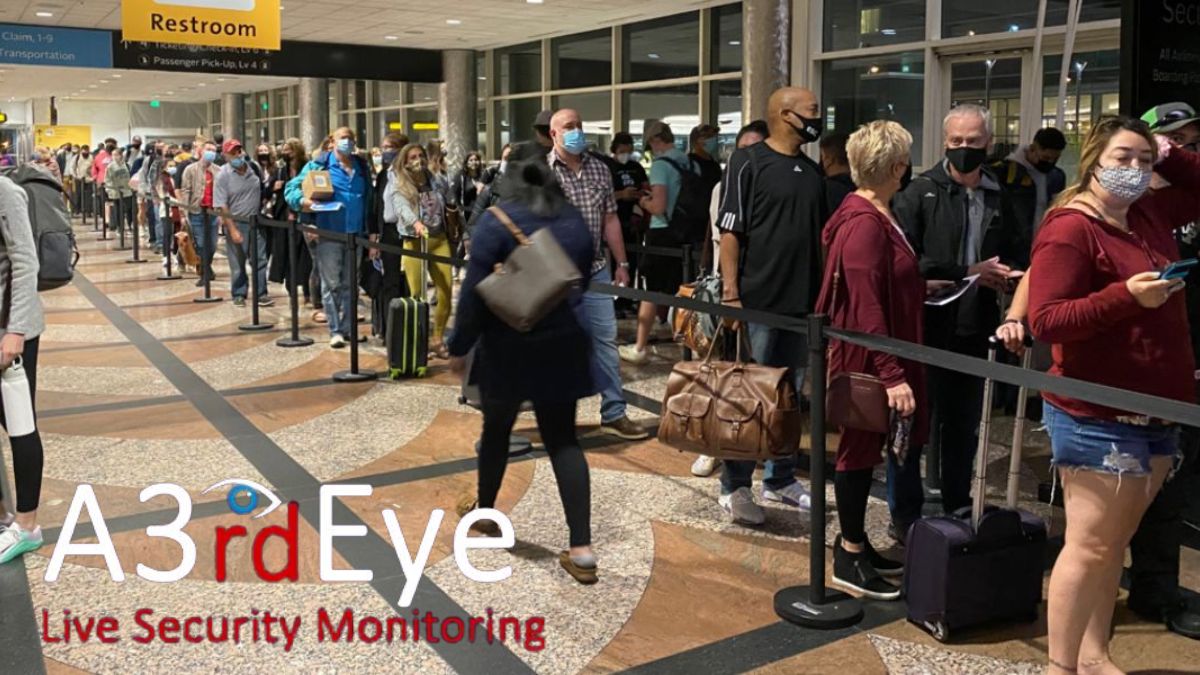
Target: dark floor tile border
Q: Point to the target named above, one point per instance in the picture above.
(294, 482)
(182, 338)
(136, 404)
(20, 640)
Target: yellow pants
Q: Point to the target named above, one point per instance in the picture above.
(440, 273)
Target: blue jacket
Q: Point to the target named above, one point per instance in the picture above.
(293, 192)
(551, 362)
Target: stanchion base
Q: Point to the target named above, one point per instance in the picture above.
(137, 261)
(256, 326)
(794, 604)
(289, 342)
(360, 376)
(207, 300)
(173, 277)
(517, 446)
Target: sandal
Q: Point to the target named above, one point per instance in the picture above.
(442, 351)
(468, 503)
(319, 317)
(584, 575)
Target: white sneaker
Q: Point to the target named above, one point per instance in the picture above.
(705, 466)
(6, 521)
(631, 354)
(15, 542)
(337, 342)
(741, 507)
(792, 495)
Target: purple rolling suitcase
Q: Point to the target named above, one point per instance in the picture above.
(985, 563)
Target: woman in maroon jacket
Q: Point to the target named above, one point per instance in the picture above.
(1097, 298)
(872, 285)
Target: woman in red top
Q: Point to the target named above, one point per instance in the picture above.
(872, 285)
(1097, 298)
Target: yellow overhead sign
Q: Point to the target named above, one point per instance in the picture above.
(425, 126)
(252, 24)
(53, 136)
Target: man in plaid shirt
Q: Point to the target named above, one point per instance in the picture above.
(588, 185)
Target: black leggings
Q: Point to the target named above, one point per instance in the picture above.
(851, 489)
(27, 449)
(556, 422)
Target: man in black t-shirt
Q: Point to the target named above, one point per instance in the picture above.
(771, 220)
(705, 142)
(835, 163)
(629, 184)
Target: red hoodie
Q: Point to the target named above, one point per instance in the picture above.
(1078, 300)
(881, 292)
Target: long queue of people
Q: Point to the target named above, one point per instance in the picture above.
(855, 236)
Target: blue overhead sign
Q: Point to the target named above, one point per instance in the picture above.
(45, 46)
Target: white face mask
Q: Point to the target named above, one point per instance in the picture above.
(623, 158)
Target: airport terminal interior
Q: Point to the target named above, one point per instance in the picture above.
(144, 382)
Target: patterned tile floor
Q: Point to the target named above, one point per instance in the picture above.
(140, 385)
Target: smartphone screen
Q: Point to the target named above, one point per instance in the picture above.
(1178, 269)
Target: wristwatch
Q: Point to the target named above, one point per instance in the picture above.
(623, 264)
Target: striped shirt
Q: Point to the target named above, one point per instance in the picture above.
(591, 191)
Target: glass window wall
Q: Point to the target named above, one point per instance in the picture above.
(582, 60)
(662, 49)
(520, 68)
(971, 17)
(678, 106)
(857, 91)
(727, 39)
(856, 24)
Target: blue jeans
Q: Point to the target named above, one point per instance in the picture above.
(239, 281)
(151, 212)
(1105, 446)
(600, 321)
(206, 241)
(335, 286)
(779, 349)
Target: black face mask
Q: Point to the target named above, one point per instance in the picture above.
(810, 131)
(966, 160)
(264, 158)
(906, 178)
(1045, 167)
(110, 148)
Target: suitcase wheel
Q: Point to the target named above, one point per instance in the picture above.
(421, 372)
(939, 631)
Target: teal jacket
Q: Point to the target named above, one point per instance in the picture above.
(293, 192)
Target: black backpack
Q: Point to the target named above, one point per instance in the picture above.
(52, 233)
(689, 220)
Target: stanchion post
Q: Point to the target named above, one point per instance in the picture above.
(137, 256)
(813, 606)
(118, 220)
(98, 199)
(354, 374)
(252, 241)
(687, 279)
(206, 217)
(294, 340)
(168, 245)
(79, 201)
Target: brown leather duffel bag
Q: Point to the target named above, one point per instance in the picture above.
(731, 410)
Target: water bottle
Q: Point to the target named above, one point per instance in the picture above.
(18, 406)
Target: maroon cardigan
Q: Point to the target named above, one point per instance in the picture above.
(1078, 300)
(881, 292)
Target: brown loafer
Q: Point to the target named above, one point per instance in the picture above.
(468, 503)
(584, 575)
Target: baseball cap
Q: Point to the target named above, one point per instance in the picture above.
(1170, 117)
(657, 129)
(230, 145)
(543, 118)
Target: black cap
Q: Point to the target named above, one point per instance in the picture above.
(543, 118)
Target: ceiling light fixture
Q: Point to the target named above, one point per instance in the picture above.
(652, 55)
(170, 93)
(735, 43)
(116, 76)
(534, 2)
(390, 37)
(45, 15)
(454, 22)
(103, 81)
(202, 84)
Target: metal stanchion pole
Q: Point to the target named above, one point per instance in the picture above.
(118, 220)
(205, 260)
(354, 374)
(83, 204)
(79, 201)
(100, 215)
(252, 240)
(687, 279)
(293, 340)
(137, 258)
(168, 246)
(814, 606)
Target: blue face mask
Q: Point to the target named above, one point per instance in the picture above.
(574, 141)
(238, 162)
(210, 156)
(345, 146)
(711, 146)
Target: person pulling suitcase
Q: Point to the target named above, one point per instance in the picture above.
(983, 563)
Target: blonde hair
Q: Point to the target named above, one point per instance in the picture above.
(875, 149)
(405, 185)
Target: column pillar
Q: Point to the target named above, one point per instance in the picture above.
(457, 106)
(312, 105)
(767, 58)
(233, 116)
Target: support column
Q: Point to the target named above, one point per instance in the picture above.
(457, 106)
(767, 58)
(312, 104)
(233, 116)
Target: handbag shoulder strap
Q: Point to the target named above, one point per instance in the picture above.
(508, 223)
(837, 279)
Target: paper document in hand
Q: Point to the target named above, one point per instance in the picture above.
(951, 293)
(325, 207)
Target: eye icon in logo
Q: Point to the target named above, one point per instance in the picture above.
(249, 488)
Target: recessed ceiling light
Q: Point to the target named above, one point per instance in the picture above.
(652, 55)
(534, 2)
(45, 15)
(453, 22)
(482, 77)
(735, 43)
(390, 37)
(92, 86)
(103, 81)
(116, 76)
(220, 79)
(170, 93)
(202, 84)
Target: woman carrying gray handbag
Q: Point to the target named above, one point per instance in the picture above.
(546, 361)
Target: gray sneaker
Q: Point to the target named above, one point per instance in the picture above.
(625, 428)
(741, 507)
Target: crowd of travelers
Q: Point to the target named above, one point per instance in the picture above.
(853, 234)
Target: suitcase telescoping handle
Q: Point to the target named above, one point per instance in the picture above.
(1018, 440)
(985, 427)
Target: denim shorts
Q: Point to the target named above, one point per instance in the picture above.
(1105, 446)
